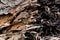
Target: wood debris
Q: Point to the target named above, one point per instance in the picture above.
(29, 19)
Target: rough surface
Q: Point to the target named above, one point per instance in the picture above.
(29, 19)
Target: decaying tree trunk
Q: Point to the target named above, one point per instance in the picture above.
(29, 19)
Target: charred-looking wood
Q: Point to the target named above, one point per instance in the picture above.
(29, 36)
(50, 23)
(46, 21)
(46, 31)
(46, 2)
